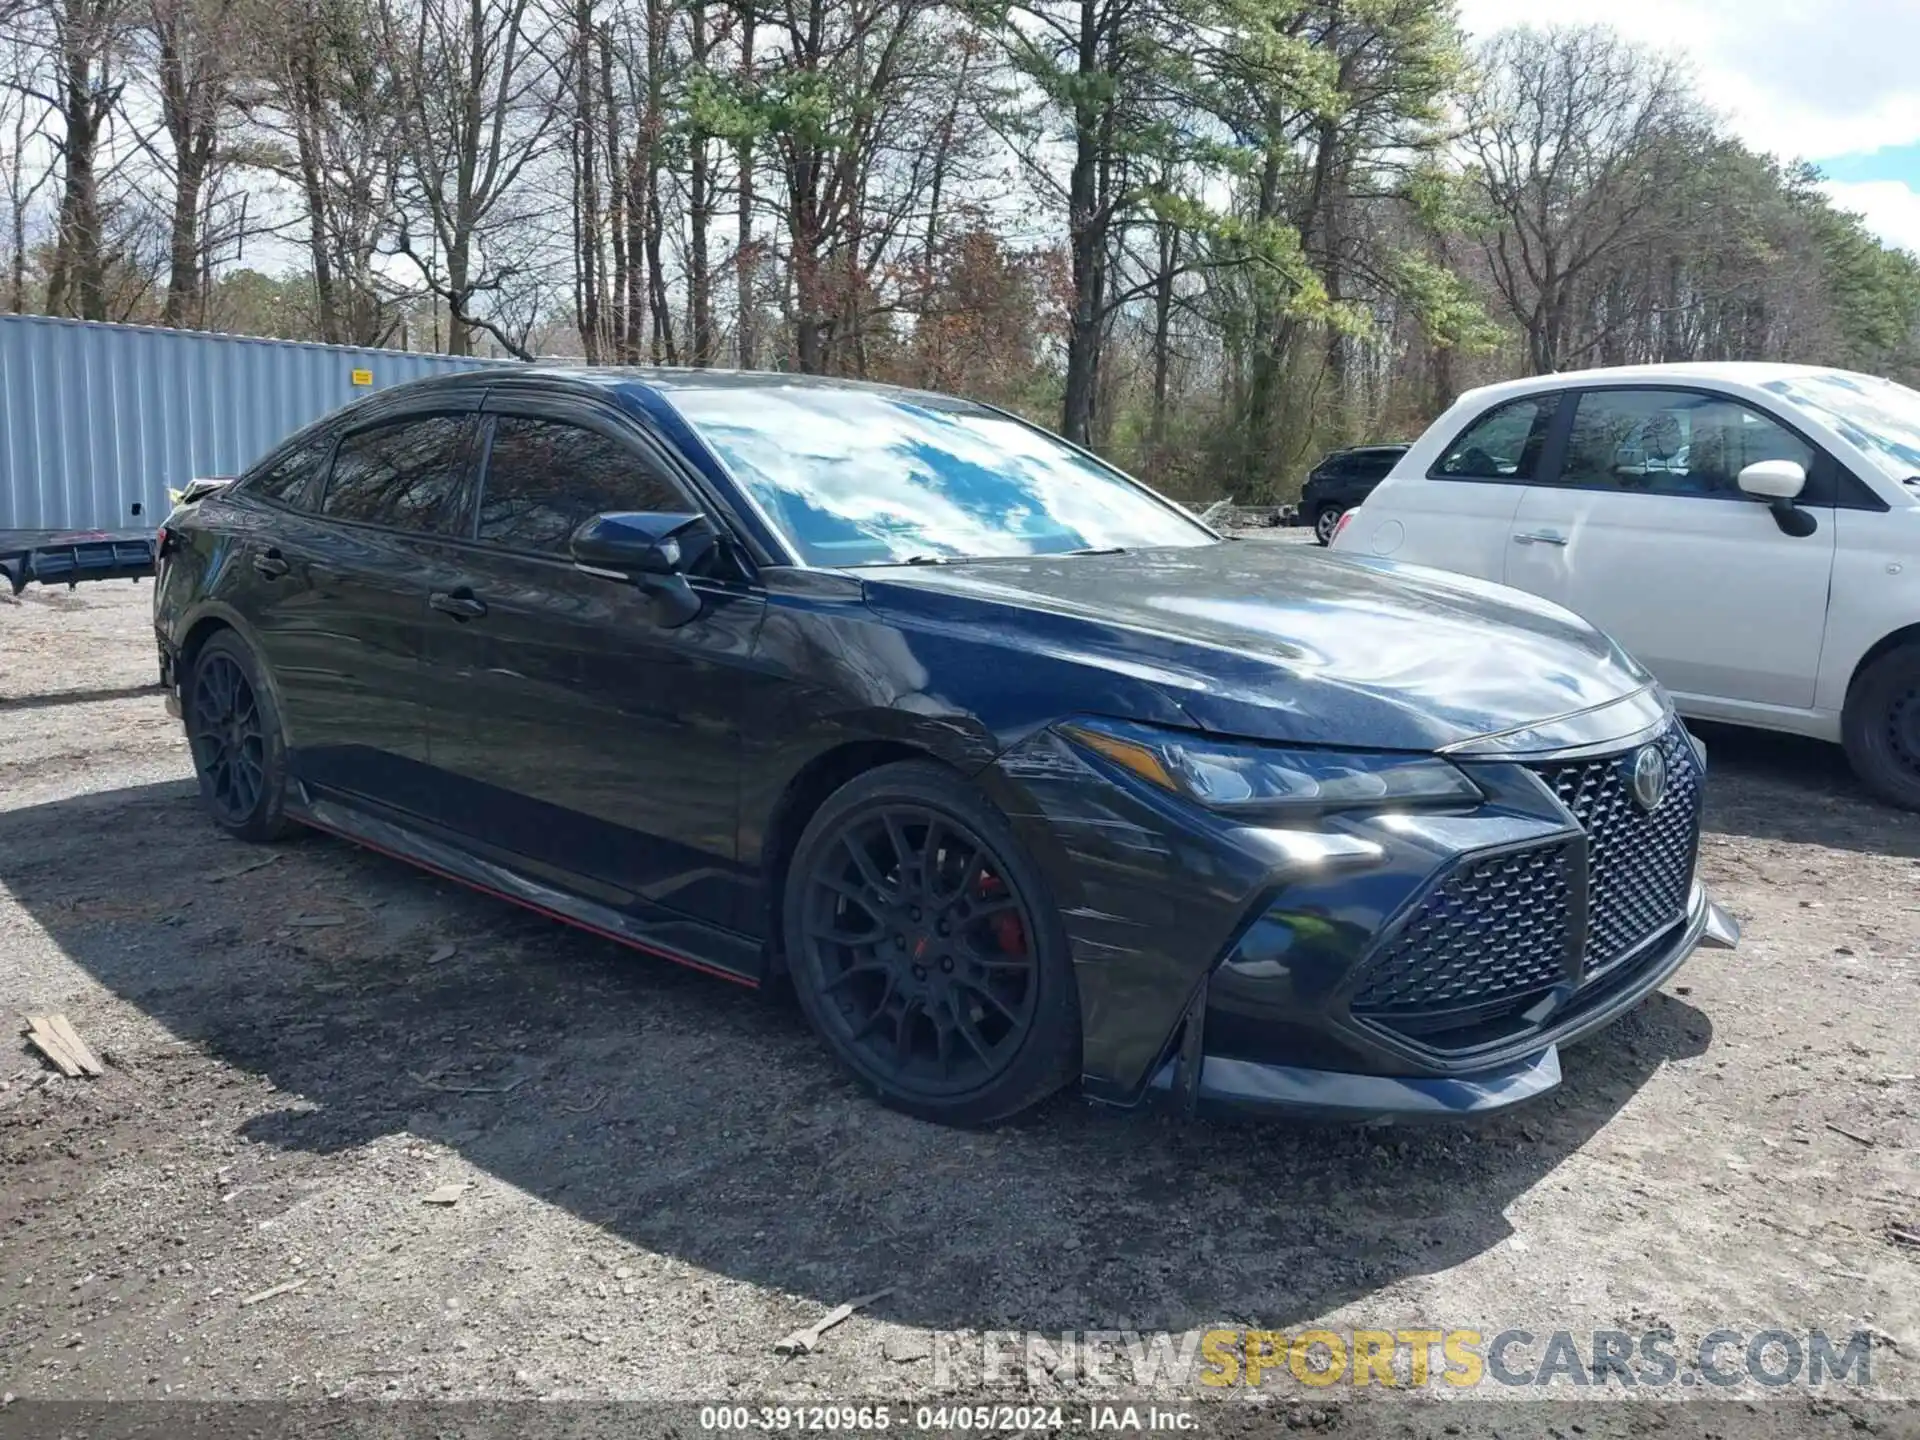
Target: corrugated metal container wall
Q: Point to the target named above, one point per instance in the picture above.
(97, 421)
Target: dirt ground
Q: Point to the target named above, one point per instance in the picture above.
(666, 1174)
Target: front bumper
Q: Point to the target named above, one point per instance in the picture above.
(1367, 964)
(1197, 1080)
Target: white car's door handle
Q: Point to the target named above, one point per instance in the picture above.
(1538, 537)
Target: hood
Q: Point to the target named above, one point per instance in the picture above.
(1287, 642)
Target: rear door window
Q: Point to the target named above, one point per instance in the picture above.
(1503, 444)
(293, 478)
(405, 475)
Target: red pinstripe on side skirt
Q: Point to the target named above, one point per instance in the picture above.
(641, 945)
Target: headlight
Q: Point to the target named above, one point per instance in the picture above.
(1222, 775)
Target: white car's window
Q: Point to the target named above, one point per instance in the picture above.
(1503, 444)
(1879, 417)
(1672, 442)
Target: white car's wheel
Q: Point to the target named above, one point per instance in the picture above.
(1881, 726)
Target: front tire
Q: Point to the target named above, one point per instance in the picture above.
(239, 750)
(1881, 726)
(1325, 520)
(924, 949)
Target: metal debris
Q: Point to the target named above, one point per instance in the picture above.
(281, 1289)
(432, 1082)
(238, 871)
(803, 1342)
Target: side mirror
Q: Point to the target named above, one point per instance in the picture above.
(1774, 479)
(1779, 483)
(649, 549)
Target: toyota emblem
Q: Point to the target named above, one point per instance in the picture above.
(1649, 777)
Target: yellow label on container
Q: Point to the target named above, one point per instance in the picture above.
(363, 377)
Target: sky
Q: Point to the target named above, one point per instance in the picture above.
(1836, 82)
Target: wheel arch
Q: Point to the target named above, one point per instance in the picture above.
(1905, 635)
(215, 619)
(801, 799)
(197, 635)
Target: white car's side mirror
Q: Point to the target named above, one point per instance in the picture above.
(1774, 479)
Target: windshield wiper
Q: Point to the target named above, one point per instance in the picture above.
(1097, 550)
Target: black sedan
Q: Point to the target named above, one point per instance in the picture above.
(1016, 772)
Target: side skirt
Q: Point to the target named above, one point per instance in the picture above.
(685, 942)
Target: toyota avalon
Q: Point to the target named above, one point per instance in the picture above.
(1013, 770)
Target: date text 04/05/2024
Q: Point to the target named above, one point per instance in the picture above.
(943, 1419)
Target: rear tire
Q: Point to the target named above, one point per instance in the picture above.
(1324, 520)
(239, 749)
(924, 949)
(1881, 727)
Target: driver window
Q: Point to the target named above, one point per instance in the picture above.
(1672, 442)
(1503, 444)
(545, 478)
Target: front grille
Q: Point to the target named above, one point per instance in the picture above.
(1495, 930)
(1493, 935)
(1639, 863)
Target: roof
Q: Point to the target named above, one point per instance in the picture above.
(1717, 372)
(662, 379)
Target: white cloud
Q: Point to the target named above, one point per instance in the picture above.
(1797, 79)
(1891, 210)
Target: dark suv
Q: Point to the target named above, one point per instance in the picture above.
(1341, 481)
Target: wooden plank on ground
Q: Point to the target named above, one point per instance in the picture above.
(47, 1040)
(76, 1047)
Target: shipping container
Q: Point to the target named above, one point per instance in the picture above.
(98, 422)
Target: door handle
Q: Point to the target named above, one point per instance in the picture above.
(461, 604)
(270, 566)
(1538, 537)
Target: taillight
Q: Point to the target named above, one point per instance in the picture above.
(1339, 526)
(160, 542)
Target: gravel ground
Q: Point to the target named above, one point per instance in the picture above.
(665, 1173)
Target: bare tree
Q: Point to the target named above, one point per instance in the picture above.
(745, 247)
(330, 110)
(1099, 71)
(1573, 136)
(832, 102)
(479, 96)
(196, 61)
(27, 164)
(86, 42)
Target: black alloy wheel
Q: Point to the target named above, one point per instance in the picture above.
(233, 731)
(919, 950)
(229, 748)
(1881, 726)
(1324, 522)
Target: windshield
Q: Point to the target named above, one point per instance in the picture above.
(862, 477)
(1878, 416)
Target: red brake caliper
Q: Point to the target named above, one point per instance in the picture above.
(1008, 933)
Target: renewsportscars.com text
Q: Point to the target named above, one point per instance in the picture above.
(1415, 1358)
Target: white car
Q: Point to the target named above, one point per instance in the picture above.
(1750, 532)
